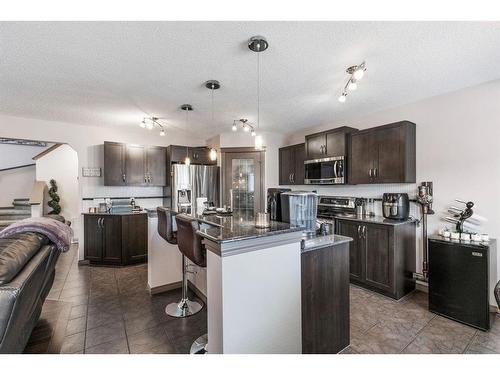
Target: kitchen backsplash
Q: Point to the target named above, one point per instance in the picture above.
(100, 191)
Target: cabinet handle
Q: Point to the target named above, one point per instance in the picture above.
(364, 231)
(375, 172)
(150, 178)
(359, 231)
(123, 177)
(370, 172)
(293, 177)
(290, 177)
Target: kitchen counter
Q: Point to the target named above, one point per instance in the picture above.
(375, 220)
(115, 213)
(321, 241)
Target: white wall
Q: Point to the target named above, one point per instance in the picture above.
(61, 164)
(87, 141)
(15, 155)
(458, 136)
(16, 183)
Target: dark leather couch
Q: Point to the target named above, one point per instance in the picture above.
(27, 269)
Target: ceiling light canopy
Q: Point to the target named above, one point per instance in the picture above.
(356, 72)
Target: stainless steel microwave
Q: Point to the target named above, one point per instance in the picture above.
(326, 171)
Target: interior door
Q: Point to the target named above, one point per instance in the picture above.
(390, 161)
(114, 164)
(379, 257)
(362, 155)
(135, 165)
(350, 229)
(156, 161)
(243, 172)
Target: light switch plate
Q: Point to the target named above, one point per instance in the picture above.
(91, 172)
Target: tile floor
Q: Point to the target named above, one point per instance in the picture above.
(93, 310)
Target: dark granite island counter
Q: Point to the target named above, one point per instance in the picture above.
(253, 285)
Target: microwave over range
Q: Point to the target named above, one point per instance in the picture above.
(326, 171)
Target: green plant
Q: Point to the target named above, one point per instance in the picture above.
(54, 202)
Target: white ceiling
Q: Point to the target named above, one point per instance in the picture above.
(112, 73)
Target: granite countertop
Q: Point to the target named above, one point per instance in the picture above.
(239, 226)
(376, 220)
(321, 241)
(115, 213)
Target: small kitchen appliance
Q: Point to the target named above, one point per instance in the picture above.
(274, 202)
(425, 198)
(396, 206)
(300, 208)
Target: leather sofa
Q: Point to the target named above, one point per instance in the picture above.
(27, 270)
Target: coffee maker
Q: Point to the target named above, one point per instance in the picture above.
(396, 206)
(274, 203)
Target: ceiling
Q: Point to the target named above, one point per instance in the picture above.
(114, 73)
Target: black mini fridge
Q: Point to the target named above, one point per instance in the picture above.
(459, 280)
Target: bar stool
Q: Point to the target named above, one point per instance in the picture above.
(191, 247)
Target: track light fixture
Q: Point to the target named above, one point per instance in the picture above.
(151, 122)
(245, 125)
(356, 72)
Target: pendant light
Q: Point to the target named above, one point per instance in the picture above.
(258, 44)
(212, 85)
(187, 108)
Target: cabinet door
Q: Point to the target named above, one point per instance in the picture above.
(316, 146)
(178, 153)
(335, 144)
(93, 238)
(112, 253)
(134, 238)
(363, 153)
(353, 230)
(135, 165)
(156, 159)
(379, 257)
(299, 152)
(114, 164)
(390, 163)
(285, 165)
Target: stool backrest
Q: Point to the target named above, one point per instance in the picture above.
(189, 241)
(166, 225)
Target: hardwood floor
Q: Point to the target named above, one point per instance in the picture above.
(98, 310)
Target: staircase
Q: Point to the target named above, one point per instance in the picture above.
(21, 209)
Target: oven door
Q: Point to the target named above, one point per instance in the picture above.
(327, 171)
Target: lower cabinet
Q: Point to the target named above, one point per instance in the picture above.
(325, 299)
(381, 257)
(115, 239)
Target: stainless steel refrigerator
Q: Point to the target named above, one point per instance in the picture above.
(193, 181)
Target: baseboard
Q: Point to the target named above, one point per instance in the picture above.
(198, 292)
(164, 288)
(83, 262)
(422, 286)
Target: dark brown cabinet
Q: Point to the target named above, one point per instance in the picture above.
(291, 165)
(381, 257)
(115, 239)
(114, 164)
(134, 165)
(197, 155)
(329, 143)
(384, 154)
(325, 299)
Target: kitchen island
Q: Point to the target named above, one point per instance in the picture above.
(253, 285)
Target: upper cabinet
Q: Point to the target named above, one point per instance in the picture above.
(197, 155)
(329, 143)
(384, 154)
(134, 165)
(291, 164)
